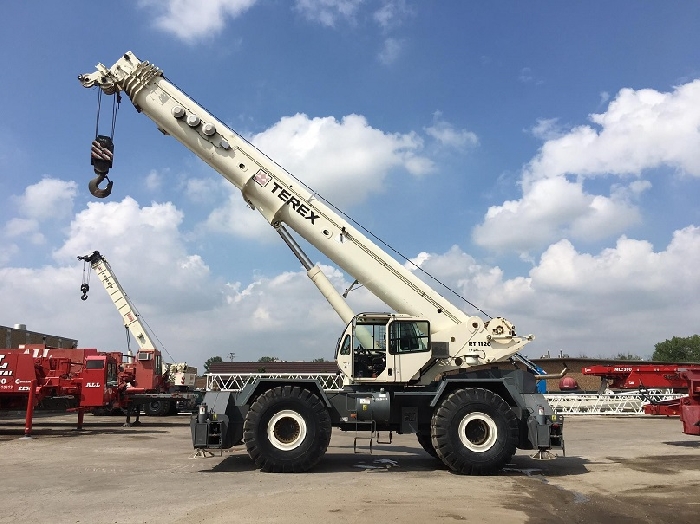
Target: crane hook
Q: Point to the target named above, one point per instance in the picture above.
(84, 288)
(96, 191)
(101, 156)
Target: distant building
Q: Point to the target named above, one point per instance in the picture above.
(18, 335)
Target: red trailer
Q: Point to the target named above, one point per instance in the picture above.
(679, 377)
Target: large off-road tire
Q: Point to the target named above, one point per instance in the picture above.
(474, 431)
(426, 443)
(157, 408)
(287, 430)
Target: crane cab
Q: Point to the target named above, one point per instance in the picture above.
(383, 347)
(99, 378)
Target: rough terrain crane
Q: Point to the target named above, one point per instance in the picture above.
(176, 377)
(425, 367)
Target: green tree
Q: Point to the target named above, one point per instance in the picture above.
(678, 349)
(210, 361)
(268, 359)
(627, 356)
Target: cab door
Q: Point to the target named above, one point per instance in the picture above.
(409, 345)
(94, 381)
(371, 360)
(344, 357)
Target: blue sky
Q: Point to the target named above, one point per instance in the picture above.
(541, 159)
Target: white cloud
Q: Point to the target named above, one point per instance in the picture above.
(26, 228)
(191, 20)
(446, 134)
(557, 208)
(46, 204)
(153, 180)
(328, 12)
(193, 313)
(623, 299)
(527, 76)
(8, 251)
(640, 130)
(392, 13)
(21, 226)
(329, 156)
(202, 189)
(134, 238)
(390, 51)
(546, 129)
(237, 218)
(48, 199)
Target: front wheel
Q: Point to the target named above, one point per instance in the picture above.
(427, 444)
(474, 431)
(287, 430)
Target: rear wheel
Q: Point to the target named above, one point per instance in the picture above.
(157, 408)
(474, 432)
(287, 429)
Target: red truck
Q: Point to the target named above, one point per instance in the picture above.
(83, 380)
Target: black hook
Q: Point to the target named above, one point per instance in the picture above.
(101, 156)
(96, 191)
(84, 288)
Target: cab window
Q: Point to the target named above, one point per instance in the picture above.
(369, 337)
(409, 336)
(345, 347)
(112, 372)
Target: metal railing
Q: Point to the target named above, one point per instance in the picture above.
(237, 381)
(628, 403)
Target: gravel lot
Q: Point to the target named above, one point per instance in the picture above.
(617, 470)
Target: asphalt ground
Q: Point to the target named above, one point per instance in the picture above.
(617, 470)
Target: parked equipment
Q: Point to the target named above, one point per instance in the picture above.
(424, 368)
(677, 377)
(179, 376)
(80, 380)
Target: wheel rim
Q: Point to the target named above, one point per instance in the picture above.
(286, 430)
(478, 432)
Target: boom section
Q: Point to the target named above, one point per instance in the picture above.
(132, 320)
(272, 191)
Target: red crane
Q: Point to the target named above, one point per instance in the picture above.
(685, 377)
(82, 379)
